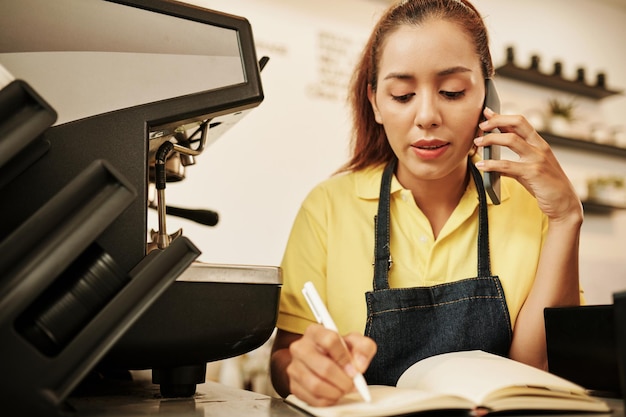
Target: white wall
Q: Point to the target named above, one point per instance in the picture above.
(259, 172)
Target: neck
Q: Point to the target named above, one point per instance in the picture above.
(437, 198)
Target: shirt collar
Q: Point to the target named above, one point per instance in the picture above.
(367, 184)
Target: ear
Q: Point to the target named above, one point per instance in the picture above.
(371, 95)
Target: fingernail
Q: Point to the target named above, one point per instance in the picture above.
(478, 140)
(361, 361)
(349, 369)
(482, 125)
(489, 111)
(480, 164)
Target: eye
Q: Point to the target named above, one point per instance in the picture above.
(452, 95)
(403, 98)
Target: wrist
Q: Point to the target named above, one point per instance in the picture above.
(572, 218)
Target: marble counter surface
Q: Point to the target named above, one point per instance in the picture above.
(142, 398)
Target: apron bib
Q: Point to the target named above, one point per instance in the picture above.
(410, 324)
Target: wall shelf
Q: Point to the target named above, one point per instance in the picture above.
(584, 145)
(590, 206)
(599, 207)
(532, 75)
(556, 82)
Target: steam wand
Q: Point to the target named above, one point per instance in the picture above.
(163, 239)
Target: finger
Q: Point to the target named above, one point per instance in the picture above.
(333, 345)
(516, 124)
(362, 349)
(310, 387)
(535, 149)
(504, 167)
(314, 352)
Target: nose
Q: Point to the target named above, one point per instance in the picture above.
(427, 114)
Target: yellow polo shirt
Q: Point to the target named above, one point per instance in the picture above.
(332, 244)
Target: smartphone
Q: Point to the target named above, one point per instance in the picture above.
(491, 180)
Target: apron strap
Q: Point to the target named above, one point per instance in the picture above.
(484, 256)
(382, 254)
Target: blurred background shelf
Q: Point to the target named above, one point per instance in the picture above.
(557, 82)
(584, 144)
(599, 207)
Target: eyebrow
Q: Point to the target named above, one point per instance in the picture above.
(453, 70)
(445, 72)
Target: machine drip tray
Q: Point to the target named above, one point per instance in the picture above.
(211, 312)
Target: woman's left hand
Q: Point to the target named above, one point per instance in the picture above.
(537, 169)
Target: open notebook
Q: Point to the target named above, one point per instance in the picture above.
(469, 380)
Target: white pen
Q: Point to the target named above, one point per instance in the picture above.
(323, 317)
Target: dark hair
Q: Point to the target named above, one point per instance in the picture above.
(369, 142)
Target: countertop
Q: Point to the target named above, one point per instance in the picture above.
(139, 397)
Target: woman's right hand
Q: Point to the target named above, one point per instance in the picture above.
(320, 369)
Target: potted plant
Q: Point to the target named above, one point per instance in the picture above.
(561, 114)
(609, 189)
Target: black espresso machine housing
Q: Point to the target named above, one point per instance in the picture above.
(89, 91)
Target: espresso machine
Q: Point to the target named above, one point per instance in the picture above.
(102, 103)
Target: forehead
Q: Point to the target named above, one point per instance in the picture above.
(431, 46)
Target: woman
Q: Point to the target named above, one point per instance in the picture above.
(452, 271)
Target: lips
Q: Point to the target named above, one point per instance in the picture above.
(429, 144)
(428, 149)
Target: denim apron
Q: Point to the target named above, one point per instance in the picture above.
(410, 324)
